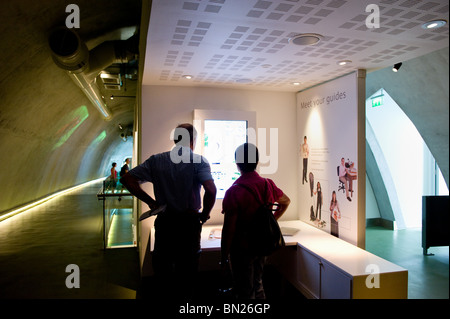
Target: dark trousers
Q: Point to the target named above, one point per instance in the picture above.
(247, 275)
(305, 169)
(319, 206)
(334, 227)
(176, 254)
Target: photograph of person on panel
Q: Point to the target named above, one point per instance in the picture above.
(335, 213)
(347, 173)
(177, 177)
(311, 183)
(305, 154)
(239, 207)
(319, 194)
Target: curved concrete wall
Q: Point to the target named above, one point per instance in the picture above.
(421, 89)
(51, 136)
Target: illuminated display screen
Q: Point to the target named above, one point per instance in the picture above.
(222, 137)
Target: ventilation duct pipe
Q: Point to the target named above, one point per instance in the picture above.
(83, 66)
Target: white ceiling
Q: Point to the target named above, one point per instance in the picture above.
(244, 43)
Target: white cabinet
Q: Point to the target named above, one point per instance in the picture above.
(319, 279)
(322, 266)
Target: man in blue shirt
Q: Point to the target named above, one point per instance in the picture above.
(177, 177)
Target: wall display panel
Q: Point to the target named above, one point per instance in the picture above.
(221, 138)
(219, 133)
(327, 128)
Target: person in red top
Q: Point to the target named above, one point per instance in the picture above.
(239, 206)
(113, 177)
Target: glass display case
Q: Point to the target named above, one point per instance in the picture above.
(119, 217)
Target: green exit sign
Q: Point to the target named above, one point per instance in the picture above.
(377, 101)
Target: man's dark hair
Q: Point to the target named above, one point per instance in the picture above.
(247, 157)
(180, 131)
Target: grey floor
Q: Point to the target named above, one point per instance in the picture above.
(428, 276)
(36, 247)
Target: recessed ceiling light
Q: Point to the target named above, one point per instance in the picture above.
(306, 39)
(344, 62)
(187, 76)
(434, 24)
(295, 83)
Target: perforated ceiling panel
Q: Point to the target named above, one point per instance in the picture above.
(245, 43)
